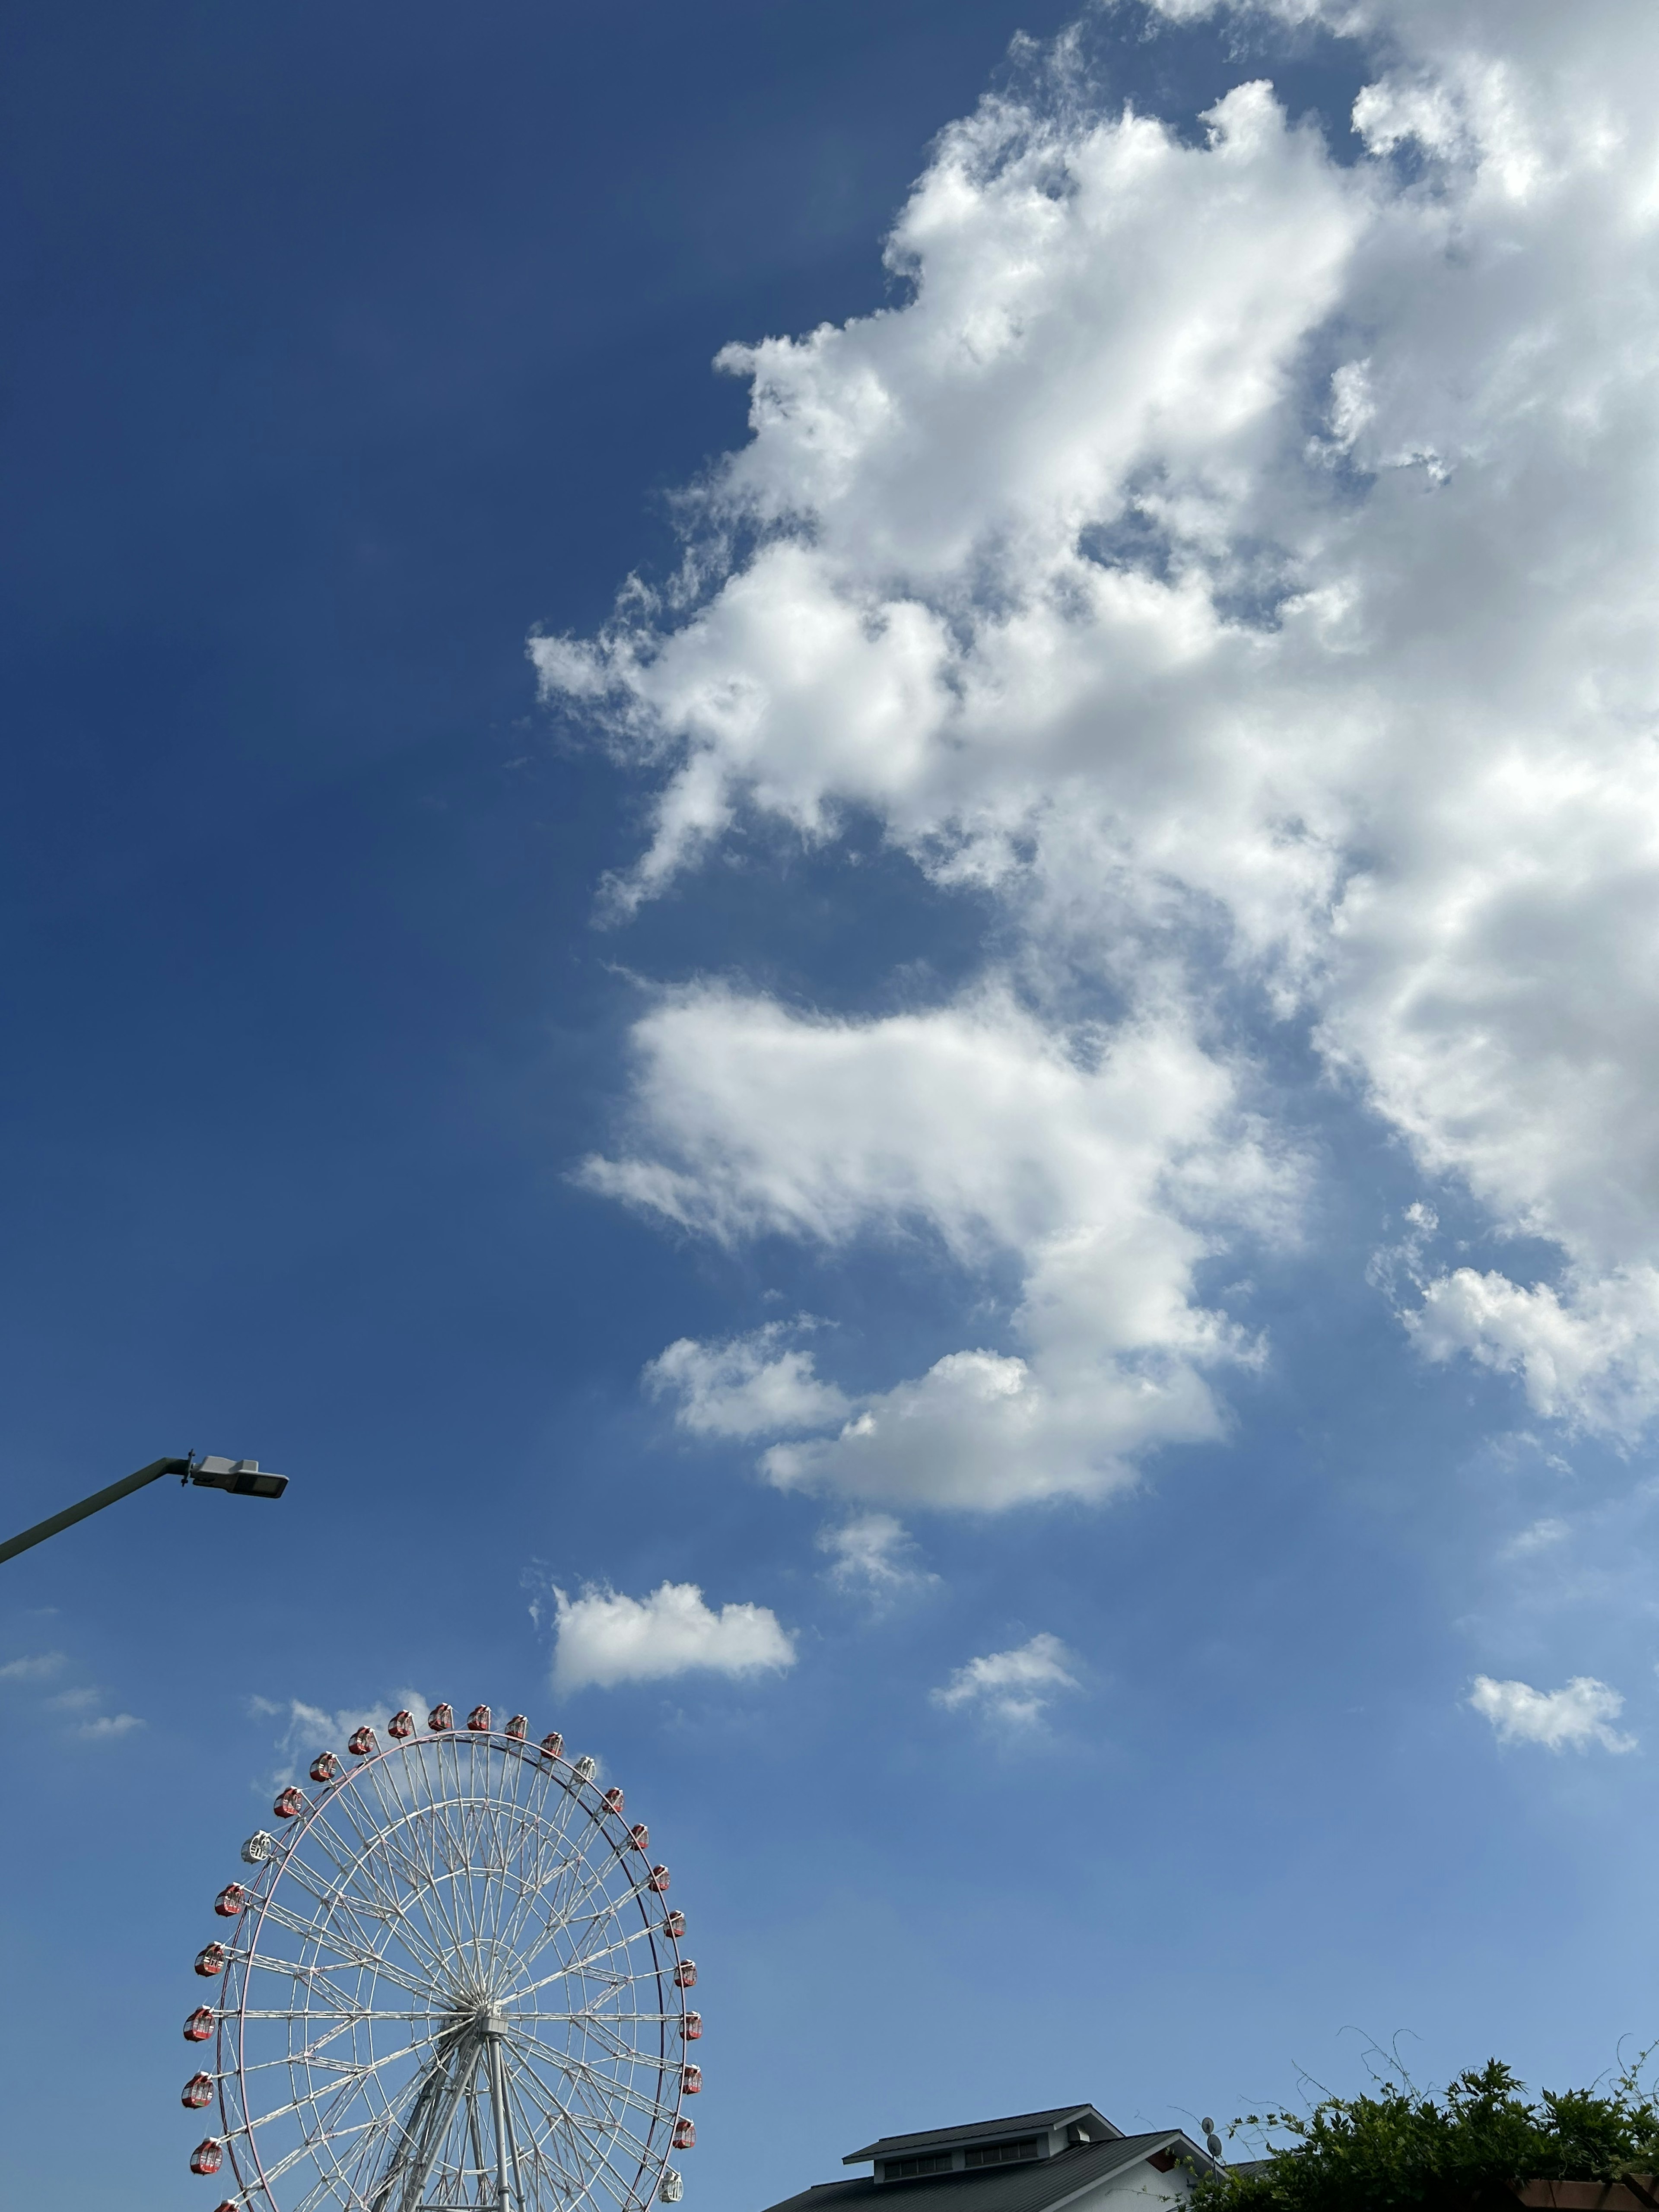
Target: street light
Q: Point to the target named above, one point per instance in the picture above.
(241, 1477)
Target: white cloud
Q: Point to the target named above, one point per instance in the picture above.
(605, 1638)
(1579, 1715)
(1100, 1162)
(1591, 1358)
(749, 1386)
(1015, 1686)
(108, 1726)
(872, 1554)
(1241, 566)
(39, 1667)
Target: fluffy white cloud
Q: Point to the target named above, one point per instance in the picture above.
(1590, 1356)
(1242, 564)
(36, 1666)
(1581, 1714)
(1012, 1686)
(749, 1386)
(872, 1554)
(1100, 1162)
(605, 1638)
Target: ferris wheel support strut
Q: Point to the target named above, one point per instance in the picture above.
(494, 2032)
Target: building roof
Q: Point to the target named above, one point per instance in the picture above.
(1017, 2123)
(1040, 2185)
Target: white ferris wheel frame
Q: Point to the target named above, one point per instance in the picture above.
(460, 1922)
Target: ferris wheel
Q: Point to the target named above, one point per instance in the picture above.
(450, 1981)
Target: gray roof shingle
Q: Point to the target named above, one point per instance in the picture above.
(1017, 2123)
(1034, 2186)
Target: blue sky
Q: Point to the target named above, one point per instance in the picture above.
(1022, 1076)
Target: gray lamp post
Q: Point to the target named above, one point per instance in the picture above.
(241, 1477)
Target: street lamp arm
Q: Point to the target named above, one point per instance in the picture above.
(240, 1476)
(95, 1503)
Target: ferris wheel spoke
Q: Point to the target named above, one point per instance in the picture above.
(608, 1861)
(546, 1887)
(637, 1891)
(348, 2078)
(405, 1840)
(320, 1930)
(353, 1859)
(563, 1913)
(320, 2012)
(576, 2105)
(296, 1970)
(577, 2126)
(585, 2012)
(589, 2019)
(450, 1858)
(609, 1951)
(546, 2151)
(609, 2040)
(576, 2070)
(356, 1864)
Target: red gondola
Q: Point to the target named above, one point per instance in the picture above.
(197, 2092)
(400, 1725)
(685, 1974)
(210, 1960)
(684, 2135)
(691, 2028)
(363, 1743)
(519, 1726)
(674, 1925)
(481, 1720)
(612, 1799)
(439, 1718)
(659, 1880)
(691, 2080)
(325, 1767)
(638, 1835)
(553, 1744)
(230, 1900)
(208, 2156)
(199, 2026)
(289, 1804)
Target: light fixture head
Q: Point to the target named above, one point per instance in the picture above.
(241, 1477)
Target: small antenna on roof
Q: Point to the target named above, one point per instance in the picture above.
(1211, 2140)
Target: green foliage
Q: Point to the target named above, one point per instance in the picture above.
(1401, 2146)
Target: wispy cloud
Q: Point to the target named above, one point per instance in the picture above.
(1017, 1686)
(305, 1729)
(1572, 1718)
(874, 1555)
(108, 1726)
(39, 1667)
(1540, 1536)
(605, 1638)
